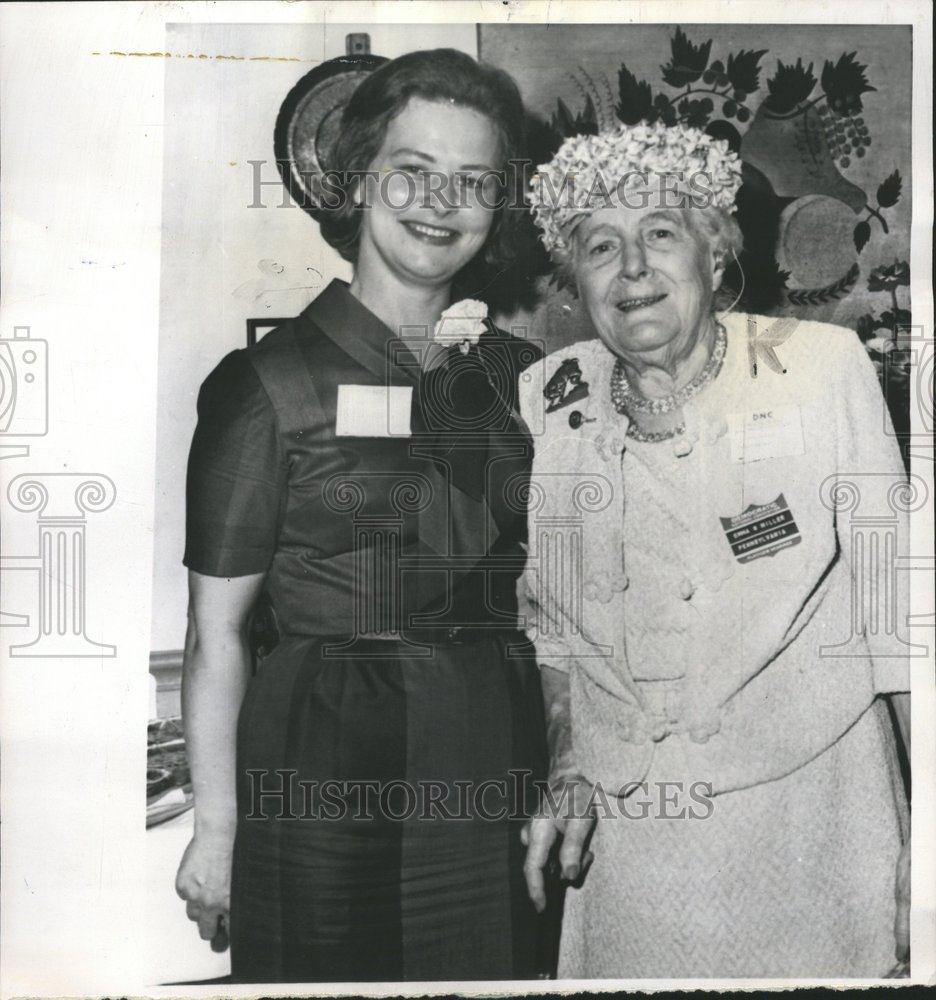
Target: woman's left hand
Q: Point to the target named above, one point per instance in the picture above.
(902, 919)
(573, 824)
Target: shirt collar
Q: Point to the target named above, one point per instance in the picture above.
(348, 323)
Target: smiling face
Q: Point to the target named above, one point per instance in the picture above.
(423, 230)
(647, 278)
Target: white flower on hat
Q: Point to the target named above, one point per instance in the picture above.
(462, 323)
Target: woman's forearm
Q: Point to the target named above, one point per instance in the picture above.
(557, 702)
(215, 674)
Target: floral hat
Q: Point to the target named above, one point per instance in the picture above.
(589, 171)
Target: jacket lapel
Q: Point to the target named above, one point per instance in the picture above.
(593, 451)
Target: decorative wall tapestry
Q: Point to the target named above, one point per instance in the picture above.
(823, 207)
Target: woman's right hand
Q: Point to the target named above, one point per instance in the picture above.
(571, 815)
(204, 882)
(216, 672)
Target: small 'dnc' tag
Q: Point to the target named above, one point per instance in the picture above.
(772, 432)
(761, 530)
(373, 411)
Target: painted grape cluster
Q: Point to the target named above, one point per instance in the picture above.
(847, 135)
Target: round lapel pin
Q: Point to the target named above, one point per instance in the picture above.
(576, 419)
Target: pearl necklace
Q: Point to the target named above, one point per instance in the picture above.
(627, 401)
(652, 437)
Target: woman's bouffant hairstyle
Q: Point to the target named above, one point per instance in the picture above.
(438, 75)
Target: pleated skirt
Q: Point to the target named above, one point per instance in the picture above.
(380, 802)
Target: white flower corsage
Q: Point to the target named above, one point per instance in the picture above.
(462, 323)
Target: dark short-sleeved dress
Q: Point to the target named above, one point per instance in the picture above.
(389, 744)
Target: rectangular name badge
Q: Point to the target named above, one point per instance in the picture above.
(769, 433)
(381, 411)
(761, 530)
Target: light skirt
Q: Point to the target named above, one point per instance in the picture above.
(792, 878)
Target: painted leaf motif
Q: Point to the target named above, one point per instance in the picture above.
(861, 235)
(743, 71)
(845, 82)
(888, 192)
(688, 61)
(789, 86)
(636, 98)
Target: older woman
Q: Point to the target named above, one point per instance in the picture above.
(707, 489)
(354, 799)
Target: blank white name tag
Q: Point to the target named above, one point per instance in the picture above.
(374, 411)
(767, 433)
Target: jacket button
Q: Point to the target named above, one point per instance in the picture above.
(682, 447)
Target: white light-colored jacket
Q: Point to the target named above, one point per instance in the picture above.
(782, 652)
